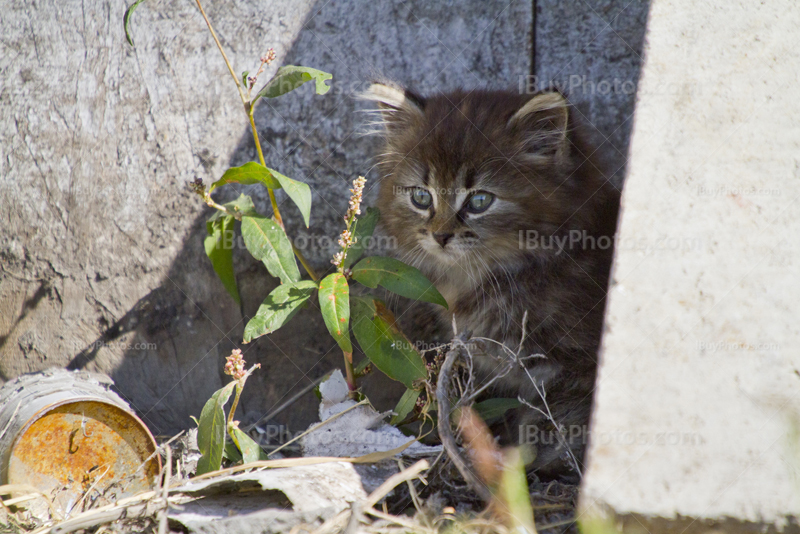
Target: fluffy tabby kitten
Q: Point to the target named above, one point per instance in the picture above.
(495, 198)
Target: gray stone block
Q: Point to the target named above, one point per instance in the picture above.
(696, 419)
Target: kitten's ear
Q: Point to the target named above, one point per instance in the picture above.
(398, 106)
(541, 125)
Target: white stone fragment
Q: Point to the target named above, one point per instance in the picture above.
(360, 431)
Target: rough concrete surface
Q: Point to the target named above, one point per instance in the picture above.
(592, 51)
(697, 406)
(101, 257)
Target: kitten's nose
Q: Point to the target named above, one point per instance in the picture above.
(442, 238)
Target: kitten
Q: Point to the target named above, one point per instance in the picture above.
(495, 197)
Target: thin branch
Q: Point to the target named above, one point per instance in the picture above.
(395, 480)
(224, 56)
(445, 430)
(208, 200)
(162, 514)
(88, 491)
(524, 332)
(158, 449)
(549, 416)
(286, 404)
(352, 516)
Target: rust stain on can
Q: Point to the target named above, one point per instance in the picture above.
(70, 448)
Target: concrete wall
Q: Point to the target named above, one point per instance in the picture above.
(696, 419)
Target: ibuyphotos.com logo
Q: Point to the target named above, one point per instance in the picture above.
(582, 240)
(580, 434)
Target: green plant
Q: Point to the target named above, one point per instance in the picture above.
(266, 239)
(213, 426)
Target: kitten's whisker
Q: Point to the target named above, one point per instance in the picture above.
(507, 319)
(494, 284)
(512, 281)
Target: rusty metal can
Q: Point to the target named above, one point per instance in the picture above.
(72, 438)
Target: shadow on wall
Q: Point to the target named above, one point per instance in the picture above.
(181, 332)
(592, 51)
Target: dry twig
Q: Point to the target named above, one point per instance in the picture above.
(457, 351)
(162, 514)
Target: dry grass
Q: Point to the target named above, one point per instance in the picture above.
(451, 496)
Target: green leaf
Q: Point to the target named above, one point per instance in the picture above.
(279, 308)
(491, 408)
(219, 249)
(251, 452)
(514, 494)
(126, 20)
(269, 243)
(398, 278)
(405, 405)
(290, 77)
(254, 173)
(244, 77)
(299, 192)
(334, 301)
(248, 174)
(211, 430)
(231, 453)
(365, 226)
(383, 343)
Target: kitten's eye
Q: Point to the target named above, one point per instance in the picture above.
(421, 198)
(480, 202)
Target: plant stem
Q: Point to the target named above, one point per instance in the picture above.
(304, 262)
(235, 214)
(274, 202)
(239, 387)
(248, 107)
(221, 51)
(348, 367)
(235, 402)
(275, 211)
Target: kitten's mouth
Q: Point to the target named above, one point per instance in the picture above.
(447, 255)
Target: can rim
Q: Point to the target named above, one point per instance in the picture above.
(6, 455)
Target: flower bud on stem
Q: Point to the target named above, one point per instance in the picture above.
(346, 240)
(234, 366)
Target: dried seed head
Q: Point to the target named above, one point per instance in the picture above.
(346, 239)
(338, 259)
(354, 206)
(197, 186)
(234, 364)
(269, 57)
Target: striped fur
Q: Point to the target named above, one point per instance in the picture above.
(528, 152)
